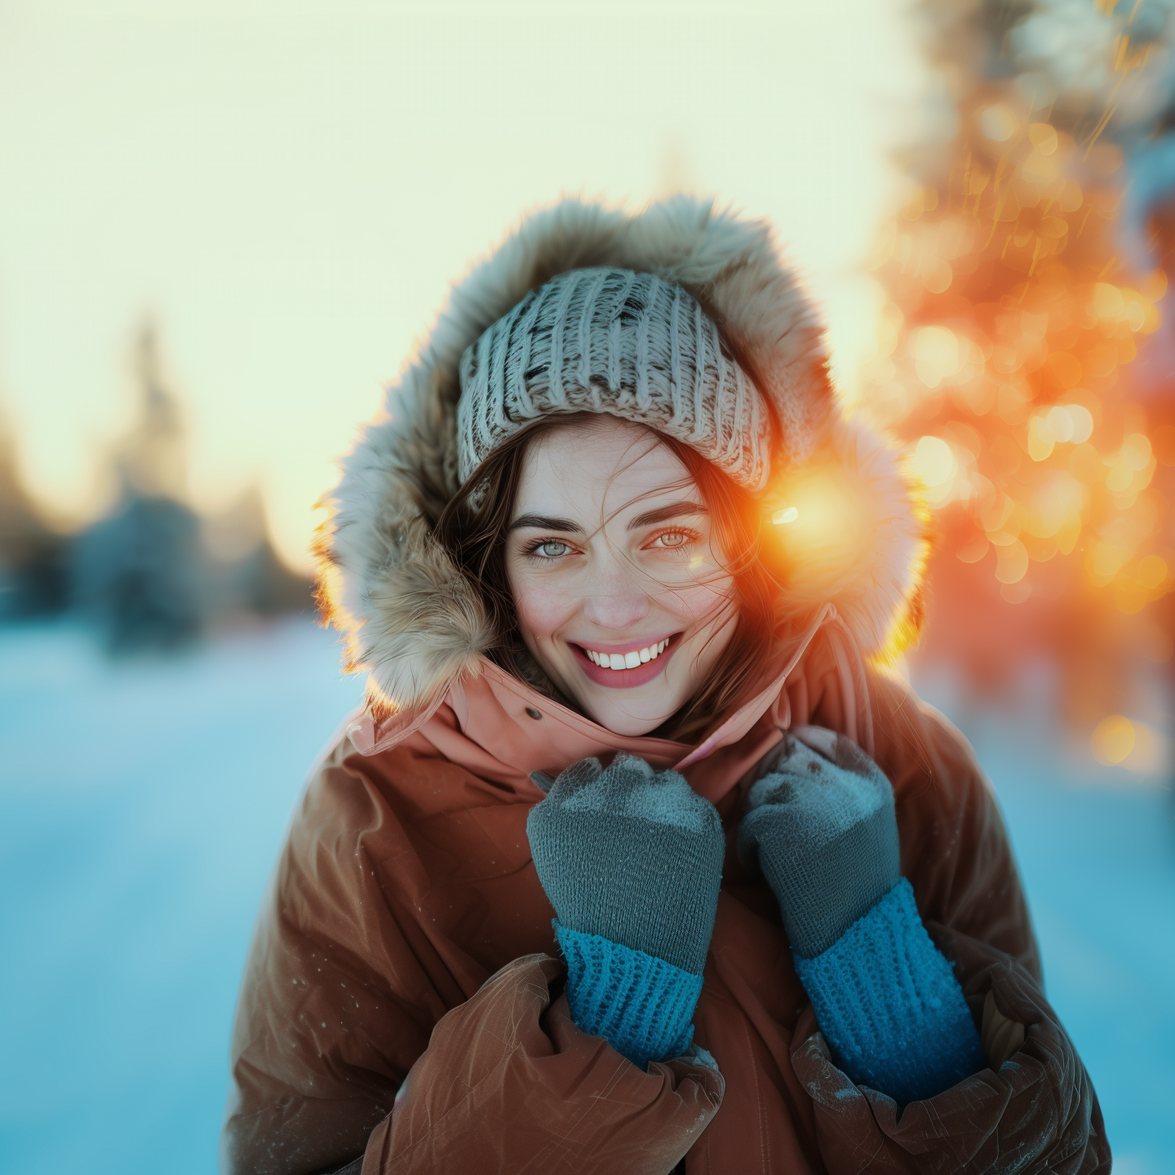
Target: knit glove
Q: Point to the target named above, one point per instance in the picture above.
(631, 860)
(822, 827)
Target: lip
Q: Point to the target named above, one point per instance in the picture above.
(625, 678)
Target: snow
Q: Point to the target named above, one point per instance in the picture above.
(141, 809)
(142, 805)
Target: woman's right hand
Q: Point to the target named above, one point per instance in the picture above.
(632, 855)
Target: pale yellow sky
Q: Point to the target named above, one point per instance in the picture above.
(288, 189)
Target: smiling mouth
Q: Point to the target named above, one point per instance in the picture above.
(630, 660)
(628, 668)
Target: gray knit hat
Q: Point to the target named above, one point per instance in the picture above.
(617, 342)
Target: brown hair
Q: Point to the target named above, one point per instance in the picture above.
(473, 530)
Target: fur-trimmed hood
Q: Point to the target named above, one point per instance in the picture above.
(855, 538)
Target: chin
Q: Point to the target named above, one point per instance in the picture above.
(630, 721)
(627, 726)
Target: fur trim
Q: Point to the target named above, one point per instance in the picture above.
(410, 616)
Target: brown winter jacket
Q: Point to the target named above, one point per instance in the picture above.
(402, 998)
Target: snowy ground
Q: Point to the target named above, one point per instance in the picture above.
(142, 805)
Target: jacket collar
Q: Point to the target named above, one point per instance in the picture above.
(503, 729)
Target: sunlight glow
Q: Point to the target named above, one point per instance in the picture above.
(1113, 739)
(934, 461)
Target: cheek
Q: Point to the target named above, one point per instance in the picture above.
(541, 608)
(702, 603)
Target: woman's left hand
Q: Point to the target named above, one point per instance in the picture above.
(821, 826)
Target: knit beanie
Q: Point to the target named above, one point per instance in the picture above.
(617, 342)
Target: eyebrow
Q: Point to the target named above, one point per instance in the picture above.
(543, 522)
(665, 513)
(651, 518)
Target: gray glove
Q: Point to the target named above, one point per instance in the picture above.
(632, 855)
(821, 826)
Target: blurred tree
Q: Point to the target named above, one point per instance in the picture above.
(139, 572)
(247, 574)
(32, 554)
(272, 587)
(1020, 289)
(151, 573)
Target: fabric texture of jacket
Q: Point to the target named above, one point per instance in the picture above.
(402, 999)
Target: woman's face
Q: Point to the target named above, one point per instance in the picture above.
(621, 597)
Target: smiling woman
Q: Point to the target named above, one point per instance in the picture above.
(630, 830)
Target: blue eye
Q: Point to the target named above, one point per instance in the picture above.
(551, 549)
(674, 540)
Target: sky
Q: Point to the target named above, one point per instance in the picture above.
(288, 190)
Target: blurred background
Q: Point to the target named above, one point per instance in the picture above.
(222, 227)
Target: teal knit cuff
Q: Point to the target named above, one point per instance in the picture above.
(889, 1005)
(642, 1005)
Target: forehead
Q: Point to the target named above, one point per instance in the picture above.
(599, 464)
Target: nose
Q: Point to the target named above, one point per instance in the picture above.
(618, 601)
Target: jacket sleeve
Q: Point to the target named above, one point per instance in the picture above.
(1039, 1112)
(353, 1038)
(509, 1083)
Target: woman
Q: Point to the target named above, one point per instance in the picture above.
(632, 859)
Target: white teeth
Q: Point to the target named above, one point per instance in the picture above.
(627, 660)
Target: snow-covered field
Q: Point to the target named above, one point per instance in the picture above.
(142, 806)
